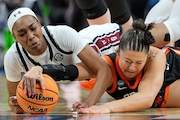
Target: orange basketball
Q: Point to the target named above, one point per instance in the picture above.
(42, 101)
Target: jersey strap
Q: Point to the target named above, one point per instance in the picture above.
(111, 60)
(35, 63)
(21, 57)
(54, 43)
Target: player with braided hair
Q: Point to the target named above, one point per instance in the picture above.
(137, 81)
(141, 77)
(79, 72)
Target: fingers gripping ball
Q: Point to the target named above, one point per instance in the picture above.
(42, 101)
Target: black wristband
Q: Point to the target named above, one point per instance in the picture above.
(59, 72)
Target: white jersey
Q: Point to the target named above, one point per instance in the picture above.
(66, 38)
(103, 38)
(166, 12)
(160, 12)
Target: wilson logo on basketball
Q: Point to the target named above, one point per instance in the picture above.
(41, 97)
(42, 101)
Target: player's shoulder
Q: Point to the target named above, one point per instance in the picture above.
(59, 31)
(101, 28)
(56, 28)
(11, 54)
(12, 50)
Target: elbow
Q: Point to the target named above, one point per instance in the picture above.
(173, 26)
(149, 101)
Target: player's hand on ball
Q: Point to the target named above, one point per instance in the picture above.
(42, 101)
(33, 76)
(13, 104)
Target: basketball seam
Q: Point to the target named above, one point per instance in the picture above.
(50, 91)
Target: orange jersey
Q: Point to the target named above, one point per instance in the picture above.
(122, 88)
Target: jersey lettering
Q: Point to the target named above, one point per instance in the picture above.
(129, 94)
(105, 41)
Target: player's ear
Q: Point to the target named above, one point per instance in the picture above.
(117, 51)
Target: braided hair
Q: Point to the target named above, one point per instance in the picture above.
(137, 39)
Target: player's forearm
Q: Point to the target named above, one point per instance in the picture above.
(103, 81)
(131, 103)
(59, 72)
(11, 86)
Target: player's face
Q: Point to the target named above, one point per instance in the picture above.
(131, 62)
(27, 31)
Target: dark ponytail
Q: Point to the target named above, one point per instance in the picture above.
(137, 39)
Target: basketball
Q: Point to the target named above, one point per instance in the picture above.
(42, 101)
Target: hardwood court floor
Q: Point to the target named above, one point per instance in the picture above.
(69, 93)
